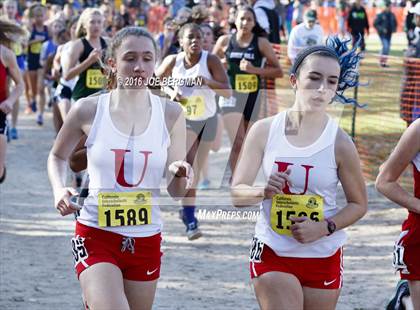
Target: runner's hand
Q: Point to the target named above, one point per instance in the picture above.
(276, 183)
(6, 106)
(62, 201)
(246, 66)
(304, 230)
(95, 55)
(182, 169)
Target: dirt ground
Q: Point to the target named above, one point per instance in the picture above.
(209, 273)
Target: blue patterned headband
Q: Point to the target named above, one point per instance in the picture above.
(348, 60)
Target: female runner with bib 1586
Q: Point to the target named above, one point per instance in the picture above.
(199, 102)
(132, 138)
(407, 247)
(296, 255)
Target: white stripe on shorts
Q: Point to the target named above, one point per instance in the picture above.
(253, 269)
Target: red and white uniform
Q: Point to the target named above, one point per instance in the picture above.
(318, 177)
(118, 162)
(407, 247)
(313, 172)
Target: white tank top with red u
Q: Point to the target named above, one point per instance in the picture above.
(141, 160)
(313, 172)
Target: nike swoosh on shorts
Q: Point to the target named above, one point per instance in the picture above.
(328, 283)
(153, 271)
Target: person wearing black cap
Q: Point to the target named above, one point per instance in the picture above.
(304, 35)
(358, 23)
(296, 258)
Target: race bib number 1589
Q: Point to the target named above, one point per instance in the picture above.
(124, 209)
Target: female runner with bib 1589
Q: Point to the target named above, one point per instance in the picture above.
(296, 259)
(132, 138)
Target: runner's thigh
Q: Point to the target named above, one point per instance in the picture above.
(140, 294)
(278, 291)
(315, 298)
(415, 293)
(103, 287)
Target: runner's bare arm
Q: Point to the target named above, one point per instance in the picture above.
(78, 159)
(72, 69)
(390, 171)
(220, 48)
(243, 192)
(274, 69)
(76, 124)
(175, 122)
(351, 178)
(220, 82)
(9, 60)
(56, 62)
(165, 68)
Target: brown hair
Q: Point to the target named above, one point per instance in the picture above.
(9, 31)
(81, 23)
(34, 7)
(116, 43)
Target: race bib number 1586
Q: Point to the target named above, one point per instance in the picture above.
(286, 206)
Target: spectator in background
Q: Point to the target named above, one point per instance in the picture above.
(267, 18)
(342, 16)
(410, 24)
(358, 23)
(410, 94)
(298, 8)
(385, 24)
(304, 35)
(280, 9)
(289, 16)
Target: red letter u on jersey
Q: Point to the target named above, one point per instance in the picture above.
(282, 167)
(119, 167)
